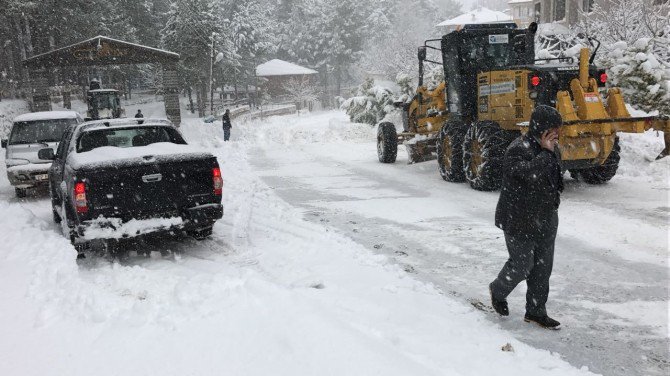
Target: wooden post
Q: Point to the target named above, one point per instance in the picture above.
(171, 93)
(39, 89)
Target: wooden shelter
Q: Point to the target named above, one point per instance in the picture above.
(100, 51)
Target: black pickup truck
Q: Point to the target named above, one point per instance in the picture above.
(124, 178)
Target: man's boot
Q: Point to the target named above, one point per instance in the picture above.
(543, 321)
(499, 306)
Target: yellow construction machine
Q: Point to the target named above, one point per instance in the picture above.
(492, 83)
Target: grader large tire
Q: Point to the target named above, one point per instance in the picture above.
(387, 143)
(450, 151)
(483, 152)
(605, 172)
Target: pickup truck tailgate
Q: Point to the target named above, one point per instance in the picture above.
(151, 189)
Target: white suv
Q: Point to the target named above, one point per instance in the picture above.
(30, 133)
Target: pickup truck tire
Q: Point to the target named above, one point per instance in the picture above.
(55, 215)
(20, 192)
(201, 234)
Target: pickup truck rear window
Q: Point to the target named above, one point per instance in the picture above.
(127, 137)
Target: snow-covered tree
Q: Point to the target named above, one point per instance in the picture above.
(370, 104)
(397, 28)
(188, 31)
(644, 80)
(301, 91)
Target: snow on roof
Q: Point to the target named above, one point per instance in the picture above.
(552, 29)
(278, 67)
(102, 91)
(125, 122)
(519, 1)
(46, 115)
(101, 38)
(477, 16)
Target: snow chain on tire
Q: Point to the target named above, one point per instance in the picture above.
(484, 148)
(450, 151)
(387, 143)
(603, 173)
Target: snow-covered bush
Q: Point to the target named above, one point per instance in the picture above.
(636, 69)
(406, 84)
(370, 104)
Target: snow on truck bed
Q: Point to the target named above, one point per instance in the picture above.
(161, 151)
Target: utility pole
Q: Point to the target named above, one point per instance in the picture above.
(211, 78)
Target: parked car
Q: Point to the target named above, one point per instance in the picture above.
(30, 133)
(124, 178)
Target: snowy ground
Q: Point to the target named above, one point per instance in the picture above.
(327, 262)
(610, 281)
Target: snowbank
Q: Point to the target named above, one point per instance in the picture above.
(310, 130)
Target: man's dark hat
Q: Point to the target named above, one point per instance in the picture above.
(544, 118)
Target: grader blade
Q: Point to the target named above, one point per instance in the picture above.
(589, 129)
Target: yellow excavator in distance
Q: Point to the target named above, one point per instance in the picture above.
(492, 84)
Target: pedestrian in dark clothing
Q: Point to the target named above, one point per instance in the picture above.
(527, 212)
(139, 115)
(227, 125)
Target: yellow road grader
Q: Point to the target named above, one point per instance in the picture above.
(492, 84)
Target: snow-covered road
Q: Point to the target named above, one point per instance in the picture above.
(328, 263)
(610, 280)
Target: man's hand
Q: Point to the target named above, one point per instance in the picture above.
(549, 140)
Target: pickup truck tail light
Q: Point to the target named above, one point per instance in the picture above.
(218, 181)
(80, 202)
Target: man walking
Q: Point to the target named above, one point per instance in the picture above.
(527, 212)
(226, 125)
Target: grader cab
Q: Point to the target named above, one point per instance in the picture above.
(104, 104)
(492, 84)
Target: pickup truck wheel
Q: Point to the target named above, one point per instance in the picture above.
(55, 215)
(201, 234)
(20, 192)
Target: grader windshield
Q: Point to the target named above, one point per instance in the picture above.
(104, 104)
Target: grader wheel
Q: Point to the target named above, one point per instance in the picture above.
(387, 143)
(603, 173)
(483, 152)
(450, 151)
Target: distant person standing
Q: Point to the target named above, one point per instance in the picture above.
(527, 212)
(227, 125)
(139, 115)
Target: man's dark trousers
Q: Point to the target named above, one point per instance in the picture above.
(531, 257)
(226, 133)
